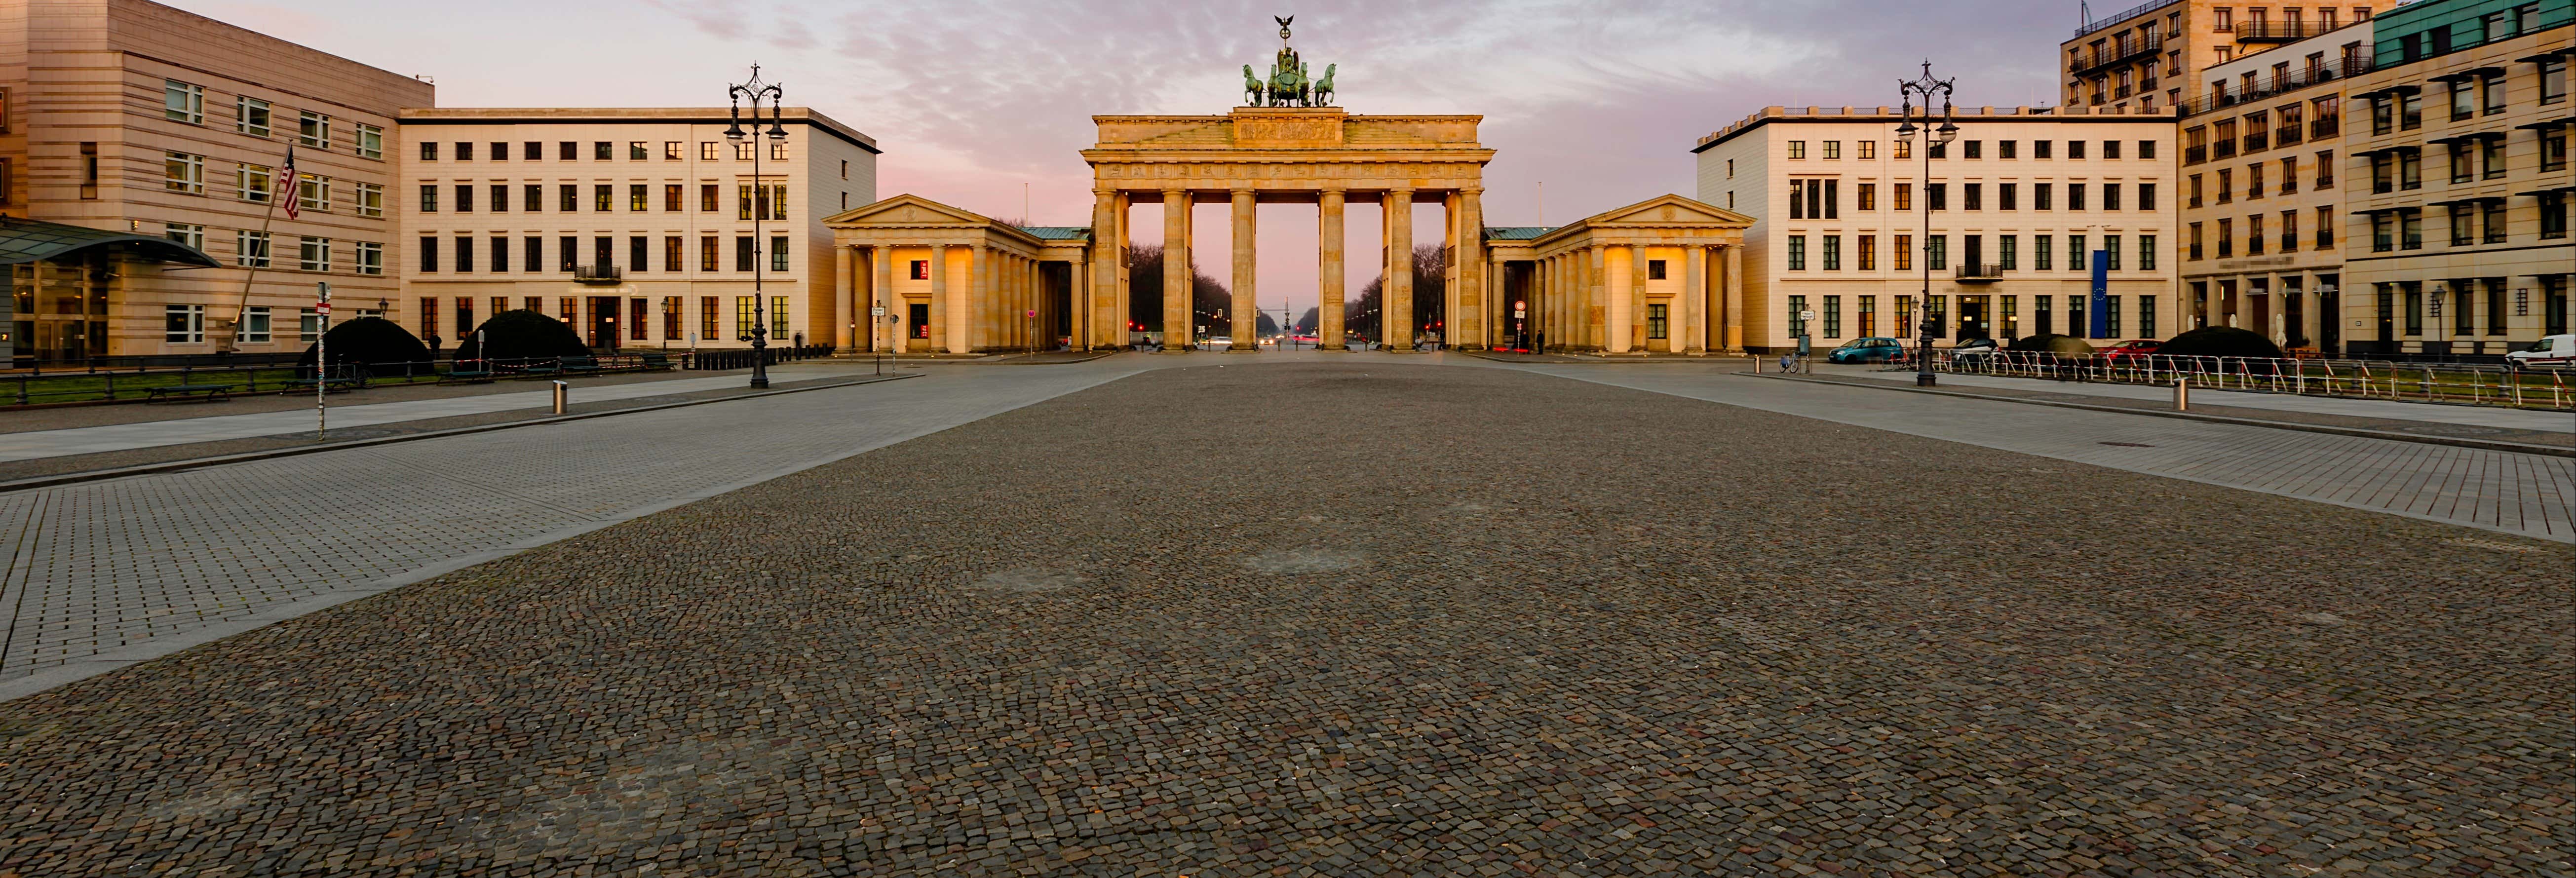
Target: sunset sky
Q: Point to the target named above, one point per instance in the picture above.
(976, 102)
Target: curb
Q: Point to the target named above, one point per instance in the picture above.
(2453, 441)
(245, 457)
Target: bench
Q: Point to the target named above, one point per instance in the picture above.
(329, 385)
(579, 364)
(205, 392)
(466, 376)
(656, 362)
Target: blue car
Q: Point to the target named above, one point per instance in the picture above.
(1867, 350)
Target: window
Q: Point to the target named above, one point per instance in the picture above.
(500, 259)
(464, 198)
(532, 197)
(1658, 323)
(568, 198)
(742, 151)
(2289, 231)
(464, 257)
(2008, 196)
(602, 197)
(532, 151)
(313, 254)
(314, 129)
(2146, 149)
(1833, 316)
(464, 316)
(2410, 230)
(308, 325)
(707, 253)
(532, 257)
(766, 201)
(464, 151)
(2111, 252)
(1936, 196)
(1833, 253)
(2553, 215)
(670, 197)
(313, 193)
(1797, 252)
(600, 150)
(1655, 269)
(370, 198)
(1936, 252)
(251, 183)
(603, 251)
(183, 324)
(2146, 196)
(706, 150)
(635, 198)
(2491, 214)
(89, 170)
(2008, 253)
(1904, 149)
(500, 198)
(845, 168)
(1833, 149)
(369, 257)
(2075, 149)
(1868, 149)
(1797, 306)
(707, 197)
(777, 152)
(2039, 195)
(742, 253)
(2553, 80)
(2004, 149)
(2410, 170)
(429, 198)
(1869, 316)
(2074, 192)
(1904, 252)
(2553, 149)
(1868, 254)
(2410, 111)
(2491, 157)
(183, 172)
(2042, 257)
(743, 318)
(1976, 149)
(2110, 149)
(670, 150)
(567, 151)
(251, 116)
(2111, 195)
(671, 253)
(1868, 195)
(639, 253)
(1971, 196)
(186, 233)
(500, 153)
(250, 249)
(1939, 150)
(1797, 149)
(183, 102)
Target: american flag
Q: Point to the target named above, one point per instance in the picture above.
(294, 188)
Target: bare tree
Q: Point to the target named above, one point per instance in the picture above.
(1361, 316)
(1212, 305)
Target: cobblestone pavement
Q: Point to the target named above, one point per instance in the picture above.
(2524, 494)
(1359, 619)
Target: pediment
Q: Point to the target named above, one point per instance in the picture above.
(1671, 210)
(906, 210)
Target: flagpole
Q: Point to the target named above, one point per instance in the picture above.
(241, 309)
(321, 360)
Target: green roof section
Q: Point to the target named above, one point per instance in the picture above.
(25, 240)
(1516, 233)
(2466, 23)
(1058, 233)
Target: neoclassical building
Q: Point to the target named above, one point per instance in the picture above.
(1650, 277)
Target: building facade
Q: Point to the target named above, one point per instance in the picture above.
(2262, 197)
(637, 227)
(2017, 204)
(133, 118)
(2456, 228)
(2148, 57)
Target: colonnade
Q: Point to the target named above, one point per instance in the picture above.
(1575, 303)
(1001, 288)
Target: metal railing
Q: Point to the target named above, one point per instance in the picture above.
(1972, 271)
(2278, 31)
(597, 274)
(2342, 68)
(2124, 15)
(2366, 379)
(741, 358)
(140, 384)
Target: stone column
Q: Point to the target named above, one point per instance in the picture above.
(881, 258)
(1596, 282)
(1328, 301)
(1734, 298)
(940, 314)
(844, 300)
(1246, 320)
(1467, 326)
(1498, 287)
(973, 305)
(1176, 271)
(1106, 241)
(1395, 317)
(1077, 300)
(1694, 300)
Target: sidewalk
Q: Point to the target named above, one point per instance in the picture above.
(184, 431)
(2499, 418)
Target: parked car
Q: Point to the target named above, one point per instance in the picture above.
(1867, 350)
(1972, 350)
(2134, 349)
(2551, 352)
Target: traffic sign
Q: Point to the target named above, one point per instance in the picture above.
(1809, 314)
(878, 311)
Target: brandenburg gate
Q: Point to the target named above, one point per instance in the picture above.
(1289, 155)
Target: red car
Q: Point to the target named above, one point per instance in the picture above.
(2136, 349)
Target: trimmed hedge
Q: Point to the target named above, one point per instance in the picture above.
(2220, 341)
(2052, 343)
(522, 335)
(370, 342)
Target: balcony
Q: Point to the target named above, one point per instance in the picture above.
(2193, 155)
(2117, 56)
(2257, 142)
(2321, 129)
(2287, 135)
(598, 275)
(2226, 149)
(1974, 273)
(2277, 31)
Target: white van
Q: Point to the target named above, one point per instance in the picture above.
(2552, 352)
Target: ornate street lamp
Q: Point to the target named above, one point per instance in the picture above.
(757, 91)
(1929, 138)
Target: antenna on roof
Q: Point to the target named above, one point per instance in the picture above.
(2085, 9)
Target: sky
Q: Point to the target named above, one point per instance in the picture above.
(985, 105)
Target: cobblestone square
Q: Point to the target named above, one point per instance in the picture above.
(1360, 619)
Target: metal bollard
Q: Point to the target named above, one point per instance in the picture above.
(2182, 394)
(563, 390)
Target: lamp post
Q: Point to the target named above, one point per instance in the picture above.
(1929, 138)
(757, 91)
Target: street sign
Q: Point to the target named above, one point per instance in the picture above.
(878, 311)
(1809, 314)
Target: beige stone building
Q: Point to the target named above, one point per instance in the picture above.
(2456, 233)
(127, 119)
(2017, 201)
(2262, 192)
(634, 226)
(2147, 57)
